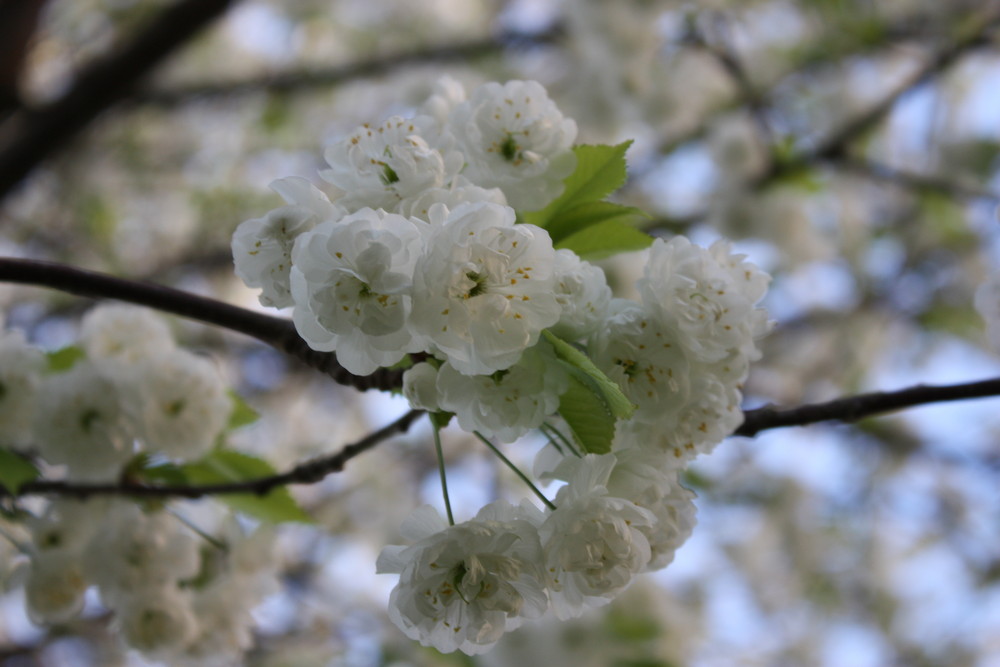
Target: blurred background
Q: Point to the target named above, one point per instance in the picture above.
(851, 148)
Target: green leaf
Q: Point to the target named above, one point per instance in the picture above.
(242, 414)
(587, 414)
(157, 470)
(578, 218)
(600, 170)
(15, 470)
(605, 239)
(63, 359)
(225, 465)
(609, 392)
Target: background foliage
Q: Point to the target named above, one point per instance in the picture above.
(850, 147)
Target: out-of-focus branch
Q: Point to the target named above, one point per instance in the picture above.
(934, 183)
(321, 77)
(307, 472)
(30, 136)
(18, 22)
(835, 145)
(853, 408)
(275, 331)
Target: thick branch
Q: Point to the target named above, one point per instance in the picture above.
(853, 408)
(307, 472)
(275, 331)
(29, 137)
(18, 22)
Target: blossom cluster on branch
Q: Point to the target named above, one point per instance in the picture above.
(462, 234)
(127, 403)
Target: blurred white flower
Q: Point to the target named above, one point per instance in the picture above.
(183, 404)
(85, 419)
(128, 333)
(21, 367)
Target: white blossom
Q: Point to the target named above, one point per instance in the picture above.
(483, 290)
(379, 166)
(583, 294)
(21, 367)
(461, 587)
(300, 193)
(647, 358)
(594, 543)
(85, 419)
(183, 404)
(508, 403)
(128, 333)
(643, 476)
(262, 252)
(420, 387)
(707, 294)
(351, 282)
(461, 191)
(515, 138)
(446, 95)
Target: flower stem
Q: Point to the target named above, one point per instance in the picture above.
(550, 430)
(444, 478)
(517, 471)
(214, 541)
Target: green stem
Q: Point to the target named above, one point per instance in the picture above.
(551, 430)
(211, 539)
(20, 546)
(517, 471)
(444, 478)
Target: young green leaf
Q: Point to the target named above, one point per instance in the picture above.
(600, 170)
(15, 470)
(242, 414)
(605, 239)
(224, 465)
(63, 359)
(609, 392)
(587, 414)
(582, 216)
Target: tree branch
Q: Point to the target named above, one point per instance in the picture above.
(274, 331)
(30, 136)
(321, 77)
(854, 408)
(18, 22)
(307, 472)
(834, 145)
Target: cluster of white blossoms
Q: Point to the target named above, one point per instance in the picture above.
(418, 249)
(125, 392)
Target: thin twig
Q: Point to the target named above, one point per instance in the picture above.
(307, 472)
(302, 80)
